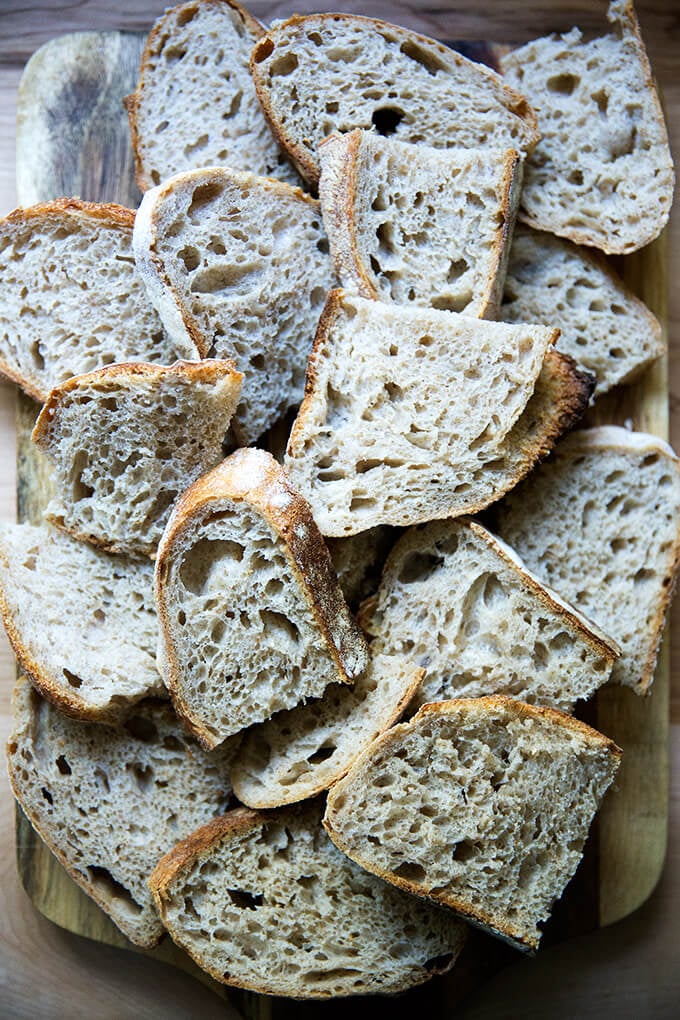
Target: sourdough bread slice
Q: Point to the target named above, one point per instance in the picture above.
(109, 802)
(71, 299)
(299, 753)
(195, 104)
(81, 623)
(603, 326)
(239, 265)
(127, 440)
(252, 616)
(600, 523)
(335, 72)
(602, 173)
(482, 804)
(419, 225)
(458, 602)
(266, 902)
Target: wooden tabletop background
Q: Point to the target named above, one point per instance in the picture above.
(629, 970)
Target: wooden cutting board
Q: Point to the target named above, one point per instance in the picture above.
(72, 139)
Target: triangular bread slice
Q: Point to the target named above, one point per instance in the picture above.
(125, 441)
(329, 72)
(266, 902)
(71, 299)
(417, 225)
(600, 523)
(459, 602)
(602, 173)
(81, 623)
(483, 805)
(110, 801)
(252, 616)
(239, 265)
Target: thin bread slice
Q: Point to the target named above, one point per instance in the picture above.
(602, 173)
(417, 225)
(603, 326)
(600, 523)
(109, 802)
(71, 299)
(483, 805)
(195, 104)
(252, 616)
(126, 440)
(458, 602)
(266, 902)
(302, 752)
(238, 265)
(335, 72)
(81, 623)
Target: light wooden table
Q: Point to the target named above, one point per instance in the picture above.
(630, 970)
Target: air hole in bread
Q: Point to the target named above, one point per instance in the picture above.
(141, 729)
(419, 567)
(325, 752)
(284, 65)
(386, 119)
(73, 680)
(237, 278)
(143, 775)
(410, 871)
(430, 61)
(563, 84)
(203, 196)
(457, 268)
(190, 257)
(263, 50)
(63, 765)
(278, 627)
(47, 796)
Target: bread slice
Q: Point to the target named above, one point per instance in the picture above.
(458, 602)
(417, 225)
(603, 326)
(299, 753)
(602, 173)
(334, 72)
(126, 440)
(71, 299)
(600, 523)
(239, 265)
(109, 802)
(252, 616)
(379, 439)
(195, 104)
(81, 623)
(266, 902)
(483, 805)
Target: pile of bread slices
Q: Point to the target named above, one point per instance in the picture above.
(273, 813)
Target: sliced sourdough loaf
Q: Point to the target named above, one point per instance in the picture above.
(195, 103)
(266, 902)
(252, 616)
(109, 802)
(412, 414)
(82, 623)
(71, 299)
(126, 440)
(334, 72)
(482, 804)
(458, 602)
(602, 173)
(299, 753)
(603, 326)
(239, 265)
(359, 559)
(600, 523)
(417, 225)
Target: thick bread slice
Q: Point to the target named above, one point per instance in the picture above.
(127, 440)
(239, 265)
(419, 225)
(602, 173)
(482, 804)
(110, 802)
(195, 104)
(600, 523)
(335, 72)
(603, 326)
(459, 602)
(81, 623)
(266, 902)
(299, 753)
(253, 619)
(358, 561)
(379, 439)
(71, 300)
